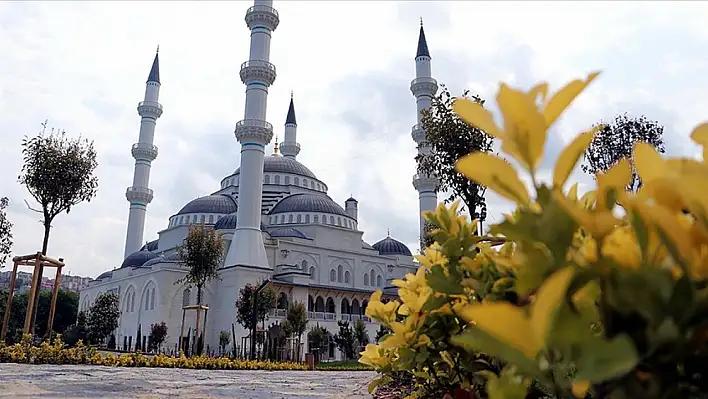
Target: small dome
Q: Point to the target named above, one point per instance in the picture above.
(227, 222)
(389, 246)
(172, 258)
(351, 199)
(219, 203)
(150, 246)
(287, 232)
(308, 203)
(280, 164)
(105, 275)
(137, 259)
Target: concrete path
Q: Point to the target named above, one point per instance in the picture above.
(47, 381)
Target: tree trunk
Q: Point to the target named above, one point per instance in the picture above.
(45, 245)
(199, 294)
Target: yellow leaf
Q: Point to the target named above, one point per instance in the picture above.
(474, 114)
(563, 97)
(541, 90)
(617, 177)
(505, 322)
(548, 299)
(700, 134)
(495, 173)
(524, 126)
(569, 157)
(573, 192)
(580, 388)
(648, 162)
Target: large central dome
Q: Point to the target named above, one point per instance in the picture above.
(276, 163)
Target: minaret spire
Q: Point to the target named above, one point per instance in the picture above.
(423, 87)
(289, 147)
(254, 133)
(139, 195)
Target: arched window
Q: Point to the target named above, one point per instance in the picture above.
(310, 304)
(347, 277)
(372, 277)
(319, 304)
(152, 299)
(132, 302)
(282, 219)
(331, 220)
(296, 181)
(211, 219)
(304, 182)
(307, 218)
(340, 273)
(378, 281)
(290, 218)
(304, 264)
(332, 275)
(277, 179)
(202, 219)
(317, 219)
(287, 180)
(312, 184)
(366, 279)
(299, 218)
(329, 308)
(282, 301)
(312, 273)
(339, 221)
(147, 299)
(355, 309)
(186, 294)
(345, 308)
(267, 179)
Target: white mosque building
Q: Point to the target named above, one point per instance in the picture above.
(274, 214)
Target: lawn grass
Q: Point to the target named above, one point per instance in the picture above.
(344, 365)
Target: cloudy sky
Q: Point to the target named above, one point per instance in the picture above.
(82, 65)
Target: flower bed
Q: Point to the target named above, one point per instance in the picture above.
(57, 353)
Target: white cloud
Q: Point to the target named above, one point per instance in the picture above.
(83, 65)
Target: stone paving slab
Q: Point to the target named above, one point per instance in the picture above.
(68, 381)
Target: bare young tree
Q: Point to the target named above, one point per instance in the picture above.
(5, 232)
(616, 140)
(58, 171)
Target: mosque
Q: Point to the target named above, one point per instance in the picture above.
(274, 215)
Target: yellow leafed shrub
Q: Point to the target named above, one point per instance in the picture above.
(600, 295)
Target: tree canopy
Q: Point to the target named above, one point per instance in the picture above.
(5, 232)
(265, 302)
(201, 252)
(103, 316)
(158, 335)
(296, 320)
(616, 140)
(65, 314)
(450, 138)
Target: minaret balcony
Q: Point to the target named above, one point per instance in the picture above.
(149, 109)
(140, 195)
(423, 182)
(424, 86)
(144, 151)
(253, 130)
(257, 71)
(262, 16)
(418, 133)
(289, 148)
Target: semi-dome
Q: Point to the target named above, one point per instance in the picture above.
(278, 164)
(389, 246)
(137, 259)
(150, 246)
(219, 203)
(158, 259)
(283, 232)
(308, 203)
(227, 222)
(105, 275)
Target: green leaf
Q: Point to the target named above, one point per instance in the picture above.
(378, 381)
(438, 281)
(604, 360)
(506, 387)
(682, 299)
(434, 303)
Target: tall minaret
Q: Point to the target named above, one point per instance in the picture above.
(254, 133)
(290, 147)
(139, 194)
(423, 87)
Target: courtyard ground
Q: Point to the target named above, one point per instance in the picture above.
(65, 381)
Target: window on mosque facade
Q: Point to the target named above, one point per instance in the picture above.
(340, 273)
(296, 181)
(347, 277)
(211, 219)
(366, 279)
(317, 219)
(287, 179)
(307, 218)
(202, 219)
(378, 281)
(312, 273)
(299, 218)
(267, 179)
(304, 264)
(312, 184)
(304, 182)
(277, 179)
(332, 275)
(331, 220)
(152, 299)
(290, 218)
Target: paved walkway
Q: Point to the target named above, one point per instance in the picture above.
(46, 381)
